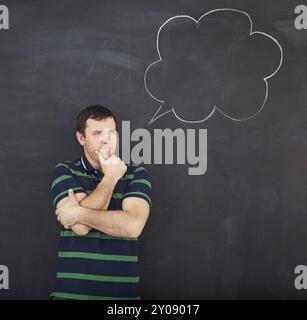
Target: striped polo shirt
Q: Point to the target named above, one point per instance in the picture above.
(97, 266)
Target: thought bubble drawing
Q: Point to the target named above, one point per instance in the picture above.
(217, 63)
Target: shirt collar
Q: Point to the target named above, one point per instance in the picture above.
(86, 164)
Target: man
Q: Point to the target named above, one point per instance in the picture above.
(103, 206)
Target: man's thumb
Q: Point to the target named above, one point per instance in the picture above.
(71, 194)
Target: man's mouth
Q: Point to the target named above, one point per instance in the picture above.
(106, 151)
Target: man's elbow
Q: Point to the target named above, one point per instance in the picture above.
(136, 230)
(80, 230)
(134, 233)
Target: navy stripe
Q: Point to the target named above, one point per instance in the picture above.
(102, 246)
(140, 187)
(137, 189)
(73, 182)
(99, 267)
(97, 288)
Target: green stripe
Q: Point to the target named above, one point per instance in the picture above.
(93, 277)
(78, 163)
(65, 295)
(128, 177)
(117, 195)
(59, 179)
(65, 192)
(78, 173)
(62, 165)
(139, 169)
(144, 181)
(97, 256)
(94, 234)
(138, 193)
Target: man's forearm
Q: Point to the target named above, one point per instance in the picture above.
(116, 223)
(98, 199)
(102, 194)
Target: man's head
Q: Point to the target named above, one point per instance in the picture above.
(96, 129)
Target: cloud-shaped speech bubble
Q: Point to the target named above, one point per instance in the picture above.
(216, 63)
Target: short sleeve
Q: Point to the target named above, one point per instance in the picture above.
(63, 180)
(140, 186)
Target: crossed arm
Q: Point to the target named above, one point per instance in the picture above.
(98, 199)
(81, 212)
(128, 222)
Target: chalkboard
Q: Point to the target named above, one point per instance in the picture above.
(236, 231)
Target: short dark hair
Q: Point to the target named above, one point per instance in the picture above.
(97, 112)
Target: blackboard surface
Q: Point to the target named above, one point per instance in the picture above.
(239, 230)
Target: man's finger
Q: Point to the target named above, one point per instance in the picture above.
(100, 156)
(111, 159)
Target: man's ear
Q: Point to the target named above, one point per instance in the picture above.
(80, 137)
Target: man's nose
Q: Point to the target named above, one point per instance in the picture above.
(104, 139)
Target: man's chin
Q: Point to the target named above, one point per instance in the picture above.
(107, 152)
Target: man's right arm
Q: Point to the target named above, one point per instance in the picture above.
(113, 169)
(101, 195)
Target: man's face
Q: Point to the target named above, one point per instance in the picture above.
(99, 135)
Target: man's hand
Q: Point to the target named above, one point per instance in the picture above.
(112, 167)
(67, 214)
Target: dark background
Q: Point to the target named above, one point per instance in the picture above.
(236, 232)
